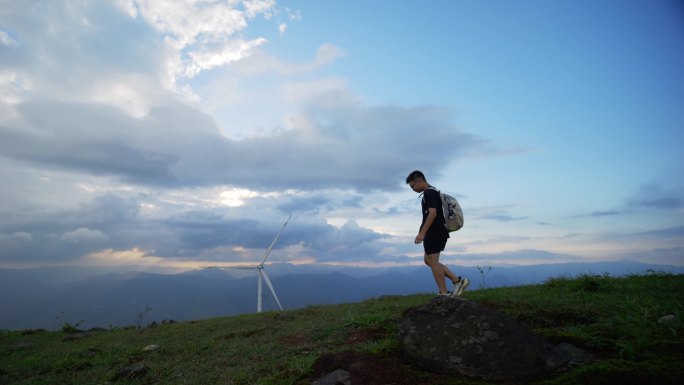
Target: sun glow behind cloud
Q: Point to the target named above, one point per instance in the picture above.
(236, 197)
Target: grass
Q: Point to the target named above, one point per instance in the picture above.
(616, 319)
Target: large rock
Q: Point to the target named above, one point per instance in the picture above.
(453, 335)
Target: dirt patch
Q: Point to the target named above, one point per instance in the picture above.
(364, 335)
(371, 369)
(298, 340)
(242, 334)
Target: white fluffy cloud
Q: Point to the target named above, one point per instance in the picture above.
(201, 35)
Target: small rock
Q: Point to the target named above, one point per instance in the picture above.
(337, 377)
(133, 371)
(150, 348)
(667, 318)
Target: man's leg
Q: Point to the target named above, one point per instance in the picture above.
(448, 273)
(432, 260)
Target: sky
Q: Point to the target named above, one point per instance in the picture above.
(180, 134)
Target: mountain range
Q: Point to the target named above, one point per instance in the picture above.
(47, 298)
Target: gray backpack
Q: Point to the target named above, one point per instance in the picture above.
(453, 215)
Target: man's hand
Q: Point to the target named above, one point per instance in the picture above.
(432, 214)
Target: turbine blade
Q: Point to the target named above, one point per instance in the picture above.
(259, 296)
(274, 241)
(270, 286)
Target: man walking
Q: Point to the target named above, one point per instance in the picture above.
(433, 234)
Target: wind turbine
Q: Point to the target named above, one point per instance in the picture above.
(262, 273)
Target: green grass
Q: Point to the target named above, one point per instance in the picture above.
(613, 318)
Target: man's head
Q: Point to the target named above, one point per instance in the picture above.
(416, 180)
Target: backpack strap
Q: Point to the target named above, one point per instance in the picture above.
(429, 188)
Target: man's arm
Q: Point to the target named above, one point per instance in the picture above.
(432, 214)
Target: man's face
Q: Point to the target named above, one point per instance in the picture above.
(416, 185)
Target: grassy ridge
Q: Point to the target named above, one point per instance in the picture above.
(613, 318)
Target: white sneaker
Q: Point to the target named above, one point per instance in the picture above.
(457, 285)
(464, 282)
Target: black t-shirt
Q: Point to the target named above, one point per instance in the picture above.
(431, 199)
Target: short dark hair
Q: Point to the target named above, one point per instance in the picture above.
(414, 175)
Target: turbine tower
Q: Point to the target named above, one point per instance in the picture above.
(261, 272)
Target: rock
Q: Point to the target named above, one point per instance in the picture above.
(667, 318)
(339, 376)
(453, 335)
(129, 372)
(577, 356)
(150, 348)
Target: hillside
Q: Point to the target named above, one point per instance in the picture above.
(616, 319)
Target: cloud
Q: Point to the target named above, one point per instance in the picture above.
(123, 51)
(647, 197)
(260, 62)
(200, 35)
(82, 235)
(655, 196)
(334, 143)
(111, 224)
(350, 243)
(497, 214)
(604, 213)
(318, 202)
(670, 232)
(6, 40)
(662, 203)
(502, 217)
(16, 237)
(106, 152)
(115, 118)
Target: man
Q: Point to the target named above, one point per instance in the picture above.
(433, 234)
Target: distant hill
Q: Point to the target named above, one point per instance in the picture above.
(47, 298)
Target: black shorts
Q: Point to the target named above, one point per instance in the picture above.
(434, 245)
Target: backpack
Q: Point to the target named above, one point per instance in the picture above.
(453, 215)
